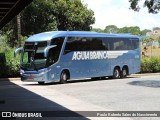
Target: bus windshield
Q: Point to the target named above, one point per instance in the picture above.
(33, 56)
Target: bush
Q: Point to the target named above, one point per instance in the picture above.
(10, 66)
(150, 65)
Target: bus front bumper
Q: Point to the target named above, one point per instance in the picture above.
(34, 76)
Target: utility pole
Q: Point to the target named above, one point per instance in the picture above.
(19, 29)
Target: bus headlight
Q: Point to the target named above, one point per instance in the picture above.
(21, 72)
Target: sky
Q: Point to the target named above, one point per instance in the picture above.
(117, 12)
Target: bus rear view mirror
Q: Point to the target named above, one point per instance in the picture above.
(46, 50)
(17, 51)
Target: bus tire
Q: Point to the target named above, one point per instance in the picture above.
(124, 72)
(94, 78)
(41, 83)
(116, 73)
(63, 77)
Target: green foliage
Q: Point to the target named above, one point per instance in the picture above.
(150, 65)
(9, 66)
(111, 29)
(4, 47)
(152, 5)
(72, 15)
(156, 28)
(50, 15)
(9, 34)
(146, 40)
(38, 17)
(143, 32)
(12, 64)
(97, 30)
(135, 30)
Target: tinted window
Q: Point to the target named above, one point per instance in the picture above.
(84, 44)
(54, 53)
(99, 43)
(135, 43)
(77, 44)
(121, 43)
(108, 43)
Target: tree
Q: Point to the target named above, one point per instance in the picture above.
(10, 33)
(152, 5)
(37, 17)
(97, 30)
(144, 32)
(156, 28)
(19, 29)
(48, 15)
(72, 15)
(146, 41)
(135, 30)
(111, 29)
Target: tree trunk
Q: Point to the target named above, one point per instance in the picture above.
(19, 29)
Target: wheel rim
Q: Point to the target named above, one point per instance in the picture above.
(124, 72)
(64, 76)
(116, 73)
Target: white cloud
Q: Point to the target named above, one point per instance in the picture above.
(117, 12)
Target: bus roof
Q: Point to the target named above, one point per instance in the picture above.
(52, 34)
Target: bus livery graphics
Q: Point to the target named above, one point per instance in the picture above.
(58, 56)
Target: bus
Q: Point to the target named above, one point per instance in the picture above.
(60, 56)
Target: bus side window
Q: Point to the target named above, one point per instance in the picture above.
(96, 43)
(110, 43)
(54, 53)
(135, 43)
(77, 44)
(105, 43)
(69, 45)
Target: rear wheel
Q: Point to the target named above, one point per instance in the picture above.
(63, 77)
(124, 73)
(116, 73)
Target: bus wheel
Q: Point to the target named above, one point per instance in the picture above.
(116, 73)
(124, 73)
(41, 83)
(63, 77)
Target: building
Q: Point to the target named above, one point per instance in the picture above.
(154, 32)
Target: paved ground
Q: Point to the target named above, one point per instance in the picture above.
(135, 93)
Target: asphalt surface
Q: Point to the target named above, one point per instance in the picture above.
(135, 93)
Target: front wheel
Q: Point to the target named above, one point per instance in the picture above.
(41, 83)
(63, 77)
(116, 73)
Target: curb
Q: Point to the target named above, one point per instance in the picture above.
(145, 74)
(9, 79)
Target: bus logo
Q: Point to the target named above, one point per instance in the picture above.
(89, 55)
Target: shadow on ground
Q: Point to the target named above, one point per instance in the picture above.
(14, 98)
(97, 79)
(79, 81)
(146, 83)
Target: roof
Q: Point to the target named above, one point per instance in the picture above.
(10, 8)
(52, 34)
